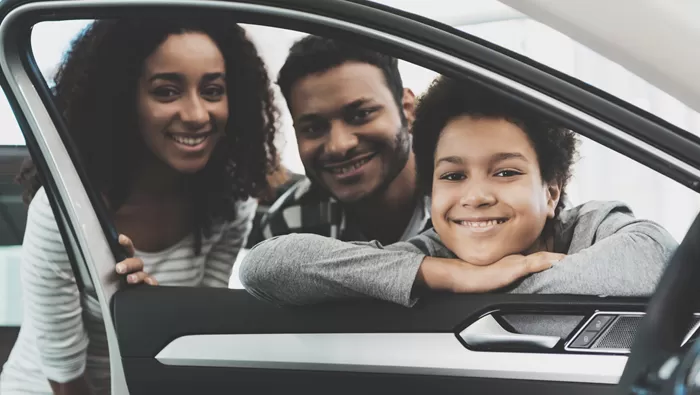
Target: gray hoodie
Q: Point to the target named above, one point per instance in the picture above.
(609, 252)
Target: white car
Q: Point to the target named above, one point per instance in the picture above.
(176, 340)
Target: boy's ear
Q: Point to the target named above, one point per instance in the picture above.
(409, 106)
(553, 196)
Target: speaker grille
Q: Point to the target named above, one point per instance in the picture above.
(620, 334)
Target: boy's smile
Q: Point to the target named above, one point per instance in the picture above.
(488, 198)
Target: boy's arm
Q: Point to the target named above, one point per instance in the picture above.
(302, 269)
(627, 259)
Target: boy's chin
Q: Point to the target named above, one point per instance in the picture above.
(480, 259)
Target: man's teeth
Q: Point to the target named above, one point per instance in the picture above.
(190, 141)
(345, 169)
(482, 224)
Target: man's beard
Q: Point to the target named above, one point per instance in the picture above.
(401, 153)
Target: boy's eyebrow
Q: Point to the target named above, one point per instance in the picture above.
(501, 156)
(495, 158)
(450, 159)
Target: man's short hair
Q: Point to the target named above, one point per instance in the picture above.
(449, 98)
(315, 54)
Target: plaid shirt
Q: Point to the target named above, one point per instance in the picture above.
(304, 208)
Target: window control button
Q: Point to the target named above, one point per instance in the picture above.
(584, 339)
(599, 322)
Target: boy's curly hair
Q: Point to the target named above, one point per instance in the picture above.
(448, 98)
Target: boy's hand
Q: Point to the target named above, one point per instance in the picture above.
(461, 277)
(133, 267)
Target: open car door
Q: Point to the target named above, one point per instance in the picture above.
(192, 340)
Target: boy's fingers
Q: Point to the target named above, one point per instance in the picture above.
(126, 242)
(129, 265)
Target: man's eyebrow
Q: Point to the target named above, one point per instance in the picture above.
(354, 105)
(450, 159)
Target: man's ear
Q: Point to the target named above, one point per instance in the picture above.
(409, 106)
(553, 196)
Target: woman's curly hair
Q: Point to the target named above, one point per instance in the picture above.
(96, 90)
(448, 98)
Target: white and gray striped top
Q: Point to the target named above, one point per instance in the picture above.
(62, 334)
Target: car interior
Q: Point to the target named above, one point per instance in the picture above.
(182, 340)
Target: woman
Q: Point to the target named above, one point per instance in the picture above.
(175, 122)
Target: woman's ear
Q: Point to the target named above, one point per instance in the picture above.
(553, 196)
(409, 106)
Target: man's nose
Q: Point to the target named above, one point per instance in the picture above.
(194, 112)
(341, 140)
(476, 193)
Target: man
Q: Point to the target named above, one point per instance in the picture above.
(352, 119)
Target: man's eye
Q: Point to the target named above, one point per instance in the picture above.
(508, 173)
(312, 130)
(360, 116)
(453, 177)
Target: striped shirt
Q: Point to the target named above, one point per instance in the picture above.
(62, 334)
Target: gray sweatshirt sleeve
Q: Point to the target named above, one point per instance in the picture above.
(300, 269)
(620, 256)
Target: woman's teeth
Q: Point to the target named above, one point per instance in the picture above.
(345, 169)
(189, 141)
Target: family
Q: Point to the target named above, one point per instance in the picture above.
(460, 190)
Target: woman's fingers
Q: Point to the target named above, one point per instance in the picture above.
(124, 241)
(130, 265)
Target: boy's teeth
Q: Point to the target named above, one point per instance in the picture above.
(482, 224)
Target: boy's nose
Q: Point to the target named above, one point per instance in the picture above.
(477, 196)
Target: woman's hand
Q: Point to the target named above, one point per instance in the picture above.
(133, 267)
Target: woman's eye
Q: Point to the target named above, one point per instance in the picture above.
(166, 92)
(453, 177)
(213, 91)
(508, 173)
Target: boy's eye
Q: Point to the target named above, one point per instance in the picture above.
(453, 176)
(508, 173)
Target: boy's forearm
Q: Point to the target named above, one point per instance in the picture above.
(436, 274)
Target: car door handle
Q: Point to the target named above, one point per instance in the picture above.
(487, 332)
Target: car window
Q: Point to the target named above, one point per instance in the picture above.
(649, 194)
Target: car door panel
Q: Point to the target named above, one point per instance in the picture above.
(231, 339)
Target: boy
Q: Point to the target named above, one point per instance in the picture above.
(497, 174)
